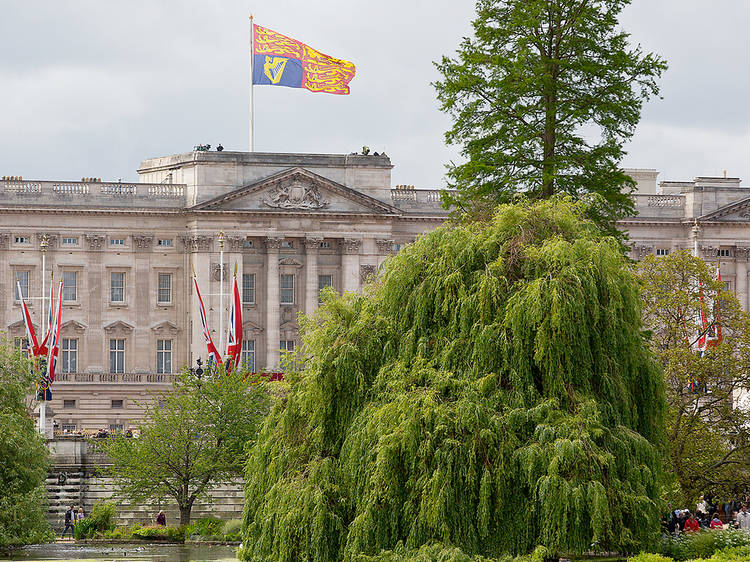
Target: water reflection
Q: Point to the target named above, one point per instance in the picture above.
(124, 552)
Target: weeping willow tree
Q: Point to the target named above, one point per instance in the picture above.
(492, 392)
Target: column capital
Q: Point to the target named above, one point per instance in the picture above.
(196, 243)
(95, 241)
(741, 253)
(385, 245)
(273, 242)
(235, 243)
(313, 243)
(350, 246)
(143, 241)
(4, 241)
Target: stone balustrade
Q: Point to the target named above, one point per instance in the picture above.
(114, 378)
(80, 193)
(411, 198)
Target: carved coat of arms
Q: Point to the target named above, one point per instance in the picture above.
(295, 196)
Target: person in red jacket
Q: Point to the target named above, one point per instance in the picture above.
(692, 525)
(716, 522)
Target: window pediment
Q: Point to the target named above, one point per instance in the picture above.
(118, 328)
(165, 328)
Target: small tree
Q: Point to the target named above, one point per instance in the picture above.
(708, 435)
(543, 98)
(23, 458)
(191, 439)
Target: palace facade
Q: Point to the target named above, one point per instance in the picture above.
(288, 224)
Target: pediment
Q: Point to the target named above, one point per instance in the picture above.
(296, 190)
(166, 327)
(118, 327)
(289, 328)
(73, 326)
(20, 326)
(250, 327)
(734, 212)
(290, 261)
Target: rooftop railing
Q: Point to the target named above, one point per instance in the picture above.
(430, 197)
(118, 193)
(114, 378)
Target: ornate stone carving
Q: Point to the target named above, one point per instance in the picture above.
(95, 241)
(313, 243)
(385, 246)
(4, 241)
(52, 239)
(73, 326)
(290, 262)
(235, 243)
(742, 252)
(166, 328)
(216, 271)
(367, 273)
(196, 243)
(642, 250)
(273, 243)
(250, 327)
(294, 196)
(708, 252)
(351, 246)
(143, 241)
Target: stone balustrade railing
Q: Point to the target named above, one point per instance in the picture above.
(114, 378)
(117, 192)
(430, 197)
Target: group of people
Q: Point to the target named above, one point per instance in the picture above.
(72, 517)
(708, 515)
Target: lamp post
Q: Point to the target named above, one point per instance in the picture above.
(43, 245)
(221, 291)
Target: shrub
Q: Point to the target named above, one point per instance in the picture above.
(704, 544)
(233, 530)
(84, 529)
(737, 554)
(103, 516)
(208, 527)
(649, 557)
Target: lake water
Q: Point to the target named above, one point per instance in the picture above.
(124, 552)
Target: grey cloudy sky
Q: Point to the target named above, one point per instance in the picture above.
(91, 88)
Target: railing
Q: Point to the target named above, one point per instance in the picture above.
(117, 192)
(115, 378)
(431, 196)
(666, 201)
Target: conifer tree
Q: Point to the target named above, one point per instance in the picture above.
(491, 392)
(543, 97)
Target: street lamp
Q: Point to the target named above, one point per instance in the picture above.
(222, 237)
(43, 245)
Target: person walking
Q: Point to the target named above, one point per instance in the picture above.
(161, 519)
(69, 522)
(79, 515)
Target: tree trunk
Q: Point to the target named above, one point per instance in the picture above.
(185, 514)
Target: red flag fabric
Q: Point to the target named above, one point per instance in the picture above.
(54, 344)
(213, 353)
(30, 333)
(234, 337)
(43, 346)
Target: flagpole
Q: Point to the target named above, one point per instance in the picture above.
(43, 404)
(221, 292)
(252, 69)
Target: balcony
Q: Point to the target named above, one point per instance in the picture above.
(91, 194)
(114, 378)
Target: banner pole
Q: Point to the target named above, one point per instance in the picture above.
(252, 69)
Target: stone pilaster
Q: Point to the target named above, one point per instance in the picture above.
(312, 246)
(350, 263)
(741, 256)
(272, 302)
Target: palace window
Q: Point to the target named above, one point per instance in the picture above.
(70, 286)
(116, 241)
(248, 355)
(662, 251)
(727, 286)
(323, 282)
(286, 346)
(22, 278)
(163, 356)
(164, 293)
(68, 427)
(724, 253)
(69, 355)
(287, 288)
(247, 243)
(70, 241)
(22, 240)
(69, 404)
(117, 356)
(117, 286)
(117, 404)
(21, 344)
(325, 245)
(115, 427)
(248, 288)
(164, 242)
(288, 244)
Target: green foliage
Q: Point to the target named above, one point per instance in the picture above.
(172, 534)
(435, 552)
(649, 557)
(543, 98)
(84, 529)
(208, 527)
(720, 459)
(23, 458)
(702, 544)
(103, 516)
(491, 393)
(192, 438)
(233, 530)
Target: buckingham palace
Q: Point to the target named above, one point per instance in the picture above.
(287, 224)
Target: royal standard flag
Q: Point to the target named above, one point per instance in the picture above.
(281, 61)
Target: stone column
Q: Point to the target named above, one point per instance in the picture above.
(141, 281)
(350, 264)
(385, 249)
(741, 255)
(97, 356)
(312, 245)
(272, 302)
